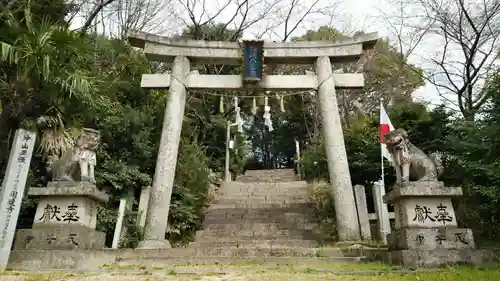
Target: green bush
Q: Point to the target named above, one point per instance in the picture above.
(192, 180)
(324, 213)
(313, 162)
(363, 153)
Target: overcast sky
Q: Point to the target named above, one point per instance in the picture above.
(367, 15)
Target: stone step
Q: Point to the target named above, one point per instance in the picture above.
(277, 175)
(258, 227)
(267, 177)
(213, 237)
(252, 179)
(270, 172)
(108, 258)
(268, 185)
(268, 213)
(263, 195)
(230, 242)
(253, 201)
(263, 188)
(261, 234)
(274, 251)
(258, 205)
(260, 197)
(160, 262)
(278, 218)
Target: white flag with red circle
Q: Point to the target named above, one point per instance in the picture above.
(385, 127)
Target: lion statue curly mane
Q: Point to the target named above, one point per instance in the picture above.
(78, 162)
(410, 162)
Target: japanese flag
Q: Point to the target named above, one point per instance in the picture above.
(385, 127)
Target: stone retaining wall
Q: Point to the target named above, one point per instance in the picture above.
(85, 260)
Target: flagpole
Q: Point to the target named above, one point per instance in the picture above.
(384, 222)
(381, 154)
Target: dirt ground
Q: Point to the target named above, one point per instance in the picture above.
(261, 273)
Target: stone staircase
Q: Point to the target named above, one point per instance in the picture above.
(263, 214)
(278, 175)
(269, 214)
(262, 217)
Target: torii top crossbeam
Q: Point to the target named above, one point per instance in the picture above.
(160, 48)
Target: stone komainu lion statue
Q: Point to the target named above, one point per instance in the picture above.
(78, 162)
(410, 162)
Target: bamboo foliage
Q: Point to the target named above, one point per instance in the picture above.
(48, 67)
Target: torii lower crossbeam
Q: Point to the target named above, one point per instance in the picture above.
(270, 82)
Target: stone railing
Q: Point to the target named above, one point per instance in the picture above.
(366, 218)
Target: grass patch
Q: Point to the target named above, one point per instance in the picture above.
(157, 268)
(451, 274)
(131, 267)
(35, 276)
(211, 274)
(318, 265)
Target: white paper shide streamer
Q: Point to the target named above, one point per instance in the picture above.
(267, 115)
(239, 120)
(281, 102)
(254, 106)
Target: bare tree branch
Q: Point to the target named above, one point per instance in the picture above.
(93, 14)
(466, 37)
(144, 15)
(242, 15)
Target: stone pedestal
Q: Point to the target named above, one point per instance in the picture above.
(426, 232)
(66, 218)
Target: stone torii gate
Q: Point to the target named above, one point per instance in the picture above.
(184, 53)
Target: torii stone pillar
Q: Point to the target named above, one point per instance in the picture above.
(321, 53)
(338, 167)
(163, 181)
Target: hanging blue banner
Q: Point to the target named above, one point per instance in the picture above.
(253, 60)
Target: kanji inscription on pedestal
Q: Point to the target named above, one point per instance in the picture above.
(425, 212)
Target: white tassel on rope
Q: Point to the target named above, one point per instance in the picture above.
(282, 104)
(239, 121)
(254, 106)
(221, 104)
(267, 115)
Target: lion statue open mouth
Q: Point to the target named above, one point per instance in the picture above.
(410, 162)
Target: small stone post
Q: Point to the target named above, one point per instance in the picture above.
(383, 222)
(364, 221)
(143, 206)
(119, 224)
(163, 181)
(130, 199)
(227, 173)
(338, 167)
